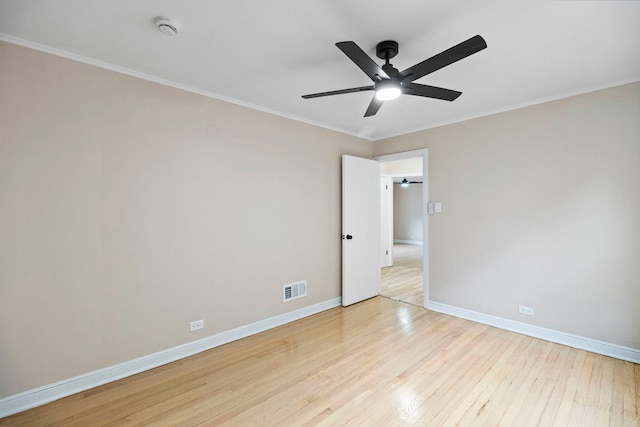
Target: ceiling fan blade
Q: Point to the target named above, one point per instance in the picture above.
(374, 106)
(362, 60)
(338, 92)
(447, 57)
(430, 91)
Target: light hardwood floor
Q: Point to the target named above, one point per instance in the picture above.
(403, 281)
(377, 363)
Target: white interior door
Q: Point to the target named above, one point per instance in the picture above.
(360, 229)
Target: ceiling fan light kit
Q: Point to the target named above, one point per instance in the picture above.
(387, 90)
(389, 83)
(405, 183)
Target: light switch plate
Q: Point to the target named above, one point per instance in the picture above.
(430, 208)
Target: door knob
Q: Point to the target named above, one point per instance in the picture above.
(349, 237)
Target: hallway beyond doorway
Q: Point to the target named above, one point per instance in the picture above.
(403, 281)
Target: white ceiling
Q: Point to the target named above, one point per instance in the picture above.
(266, 54)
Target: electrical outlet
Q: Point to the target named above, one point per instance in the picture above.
(526, 310)
(194, 326)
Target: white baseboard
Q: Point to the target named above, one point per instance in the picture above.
(594, 346)
(409, 242)
(42, 395)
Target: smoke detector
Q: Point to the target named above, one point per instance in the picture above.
(166, 25)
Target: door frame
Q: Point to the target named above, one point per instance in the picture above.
(424, 153)
(386, 213)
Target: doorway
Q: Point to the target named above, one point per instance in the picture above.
(405, 278)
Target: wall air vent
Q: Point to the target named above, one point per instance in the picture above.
(294, 290)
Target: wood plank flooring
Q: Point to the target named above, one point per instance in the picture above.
(403, 281)
(377, 363)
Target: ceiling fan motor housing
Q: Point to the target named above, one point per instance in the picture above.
(387, 49)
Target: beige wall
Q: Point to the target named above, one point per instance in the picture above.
(541, 208)
(407, 212)
(129, 209)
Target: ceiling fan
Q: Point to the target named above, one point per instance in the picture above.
(389, 83)
(405, 182)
